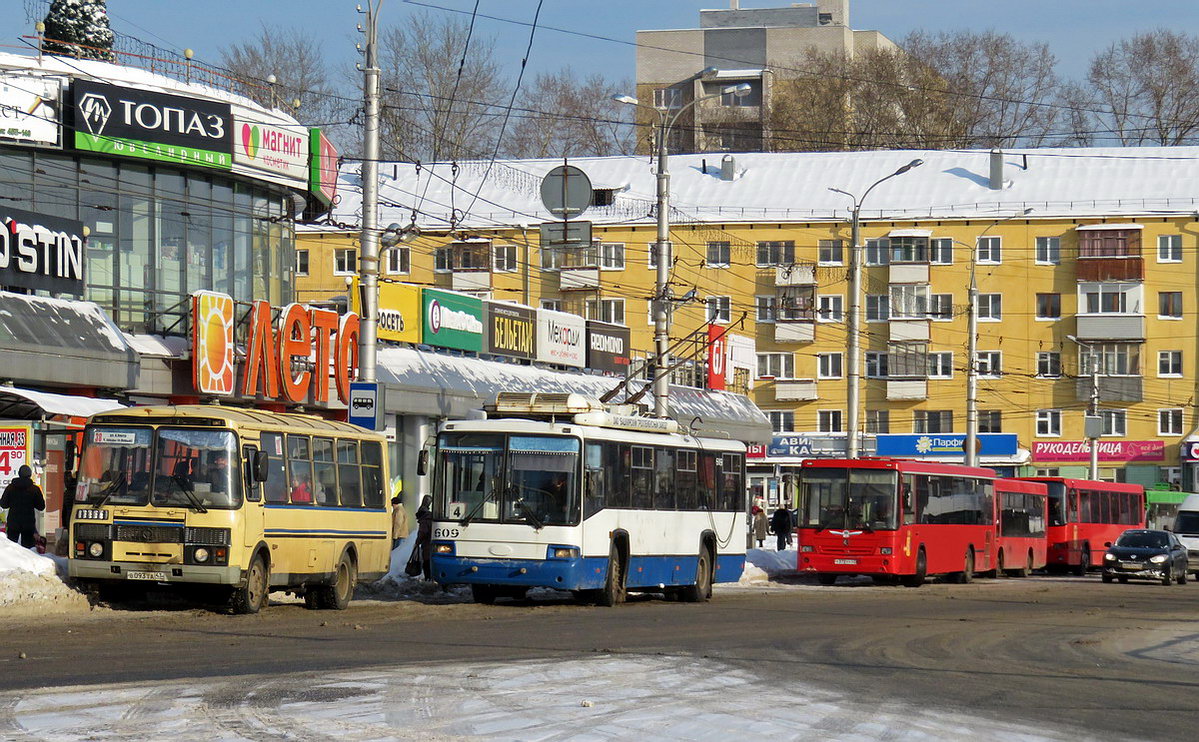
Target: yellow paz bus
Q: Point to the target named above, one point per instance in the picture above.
(246, 500)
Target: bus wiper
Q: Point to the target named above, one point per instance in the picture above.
(109, 491)
(473, 512)
(530, 516)
(185, 487)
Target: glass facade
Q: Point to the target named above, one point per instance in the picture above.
(158, 233)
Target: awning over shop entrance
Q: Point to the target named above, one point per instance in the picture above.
(439, 385)
(62, 342)
(29, 404)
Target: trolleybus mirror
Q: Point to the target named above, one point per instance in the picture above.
(422, 463)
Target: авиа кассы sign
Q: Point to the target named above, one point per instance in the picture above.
(152, 126)
(40, 252)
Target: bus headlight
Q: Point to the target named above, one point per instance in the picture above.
(95, 550)
(563, 552)
(1159, 559)
(443, 548)
(200, 555)
(885, 550)
(807, 548)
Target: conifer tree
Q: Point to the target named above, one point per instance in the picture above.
(79, 28)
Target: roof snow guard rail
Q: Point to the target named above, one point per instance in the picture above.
(542, 404)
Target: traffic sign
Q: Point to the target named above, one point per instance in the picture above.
(366, 404)
(566, 234)
(566, 191)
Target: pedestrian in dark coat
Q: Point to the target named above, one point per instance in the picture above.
(780, 523)
(424, 537)
(22, 498)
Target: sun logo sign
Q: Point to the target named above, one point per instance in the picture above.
(212, 342)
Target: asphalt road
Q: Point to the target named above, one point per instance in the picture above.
(1114, 660)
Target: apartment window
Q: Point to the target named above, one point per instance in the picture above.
(878, 252)
(909, 300)
(606, 310)
(1115, 359)
(1049, 306)
(1169, 248)
(828, 365)
(1169, 363)
(830, 308)
(1169, 421)
(940, 307)
(909, 249)
(878, 421)
(553, 305)
(878, 308)
(1109, 298)
(399, 260)
(990, 307)
(776, 366)
(345, 261)
(504, 258)
(767, 307)
(828, 421)
(301, 262)
(1049, 423)
(990, 250)
(830, 252)
(668, 98)
(653, 255)
(443, 259)
(611, 256)
(940, 365)
(720, 309)
(940, 251)
(933, 421)
(1114, 422)
(779, 252)
(1109, 243)
(1049, 251)
(719, 254)
(990, 421)
(1049, 364)
(876, 365)
(990, 363)
(551, 259)
(1169, 304)
(781, 421)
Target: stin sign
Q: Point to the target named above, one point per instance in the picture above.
(41, 252)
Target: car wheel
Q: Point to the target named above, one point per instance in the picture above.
(1167, 577)
(1107, 579)
(1123, 580)
(1182, 577)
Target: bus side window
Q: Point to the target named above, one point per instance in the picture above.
(664, 494)
(324, 473)
(372, 474)
(595, 484)
(706, 488)
(349, 477)
(909, 499)
(643, 477)
(685, 491)
(1072, 497)
(732, 483)
(275, 486)
(618, 457)
(299, 466)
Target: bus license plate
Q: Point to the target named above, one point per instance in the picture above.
(155, 576)
(845, 561)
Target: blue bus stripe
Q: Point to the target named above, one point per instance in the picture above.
(281, 506)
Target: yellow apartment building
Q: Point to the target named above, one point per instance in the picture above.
(1078, 254)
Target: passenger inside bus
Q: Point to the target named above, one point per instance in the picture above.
(300, 492)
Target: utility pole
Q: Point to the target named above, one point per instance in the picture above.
(662, 282)
(972, 372)
(1093, 413)
(368, 258)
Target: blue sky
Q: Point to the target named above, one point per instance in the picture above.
(1076, 29)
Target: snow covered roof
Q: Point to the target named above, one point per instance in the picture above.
(794, 187)
(28, 403)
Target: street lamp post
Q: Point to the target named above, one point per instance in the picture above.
(853, 369)
(1091, 424)
(661, 381)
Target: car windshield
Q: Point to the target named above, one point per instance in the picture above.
(848, 498)
(1187, 523)
(1143, 540)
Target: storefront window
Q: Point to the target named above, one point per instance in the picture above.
(136, 240)
(198, 219)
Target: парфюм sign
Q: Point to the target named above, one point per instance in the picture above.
(152, 126)
(41, 252)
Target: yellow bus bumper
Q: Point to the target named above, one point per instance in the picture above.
(153, 573)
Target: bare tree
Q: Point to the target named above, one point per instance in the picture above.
(572, 117)
(1143, 90)
(432, 110)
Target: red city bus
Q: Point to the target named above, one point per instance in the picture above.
(1084, 515)
(895, 520)
(1021, 519)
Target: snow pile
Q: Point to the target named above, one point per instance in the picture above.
(30, 580)
(753, 576)
(773, 563)
(397, 585)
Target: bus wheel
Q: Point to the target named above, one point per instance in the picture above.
(999, 570)
(613, 592)
(824, 579)
(916, 580)
(1024, 571)
(251, 596)
(967, 574)
(336, 596)
(1084, 562)
(702, 589)
(484, 594)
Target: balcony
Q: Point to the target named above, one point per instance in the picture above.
(578, 279)
(903, 329)
(470, 280)
(1111, 389)
(794, 331)
(906, 389)
(1126, 327)
(795, 274)
(795, 390)
(1124, 268)
(908, 273)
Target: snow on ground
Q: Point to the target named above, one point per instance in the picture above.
(773, 563)
(30, 582)
(609, 697)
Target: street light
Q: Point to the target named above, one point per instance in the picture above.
(972, 344)
(1091, 424)
(855, 307)
(661, 382)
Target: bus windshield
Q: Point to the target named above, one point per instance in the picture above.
(1057, 503)
(848, 498)
(527, 479)
(116, 465)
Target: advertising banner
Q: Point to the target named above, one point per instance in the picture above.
(944, 444)
(399, 311)
(1108, 450)
(273, 150)
(16, 448)
(212, 343)
(30, 109)
(511, 330)
(608, 347)
(452, 320)
(718, 356)
(41, 252)
(560, 338)
(153, 126)
(322, 173)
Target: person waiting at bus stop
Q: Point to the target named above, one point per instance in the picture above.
(780, 523)
(23, 497)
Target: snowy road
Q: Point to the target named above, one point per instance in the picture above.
(600, 698)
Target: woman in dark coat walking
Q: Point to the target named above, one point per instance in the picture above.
(22, 498)
(422, 549)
